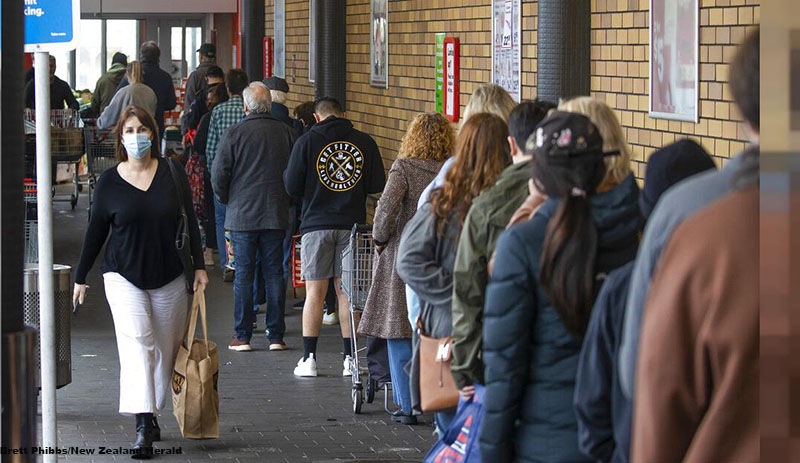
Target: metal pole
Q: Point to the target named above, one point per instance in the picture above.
(47, 319)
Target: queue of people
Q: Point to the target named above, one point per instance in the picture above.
(604, 322)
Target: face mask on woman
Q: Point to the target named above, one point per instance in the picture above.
(136, 144)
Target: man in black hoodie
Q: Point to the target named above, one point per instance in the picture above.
(332, 168)
(157, 79)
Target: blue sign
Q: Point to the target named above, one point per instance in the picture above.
(51, 24)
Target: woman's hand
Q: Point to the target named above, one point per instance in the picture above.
(200, 280)
(467, 391)
(79, 294)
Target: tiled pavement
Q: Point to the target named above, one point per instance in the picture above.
(266, 414)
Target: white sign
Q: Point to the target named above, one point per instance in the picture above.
(450, 75)
(507, 46)
(51, 25)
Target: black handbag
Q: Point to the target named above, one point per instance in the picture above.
(182, 243)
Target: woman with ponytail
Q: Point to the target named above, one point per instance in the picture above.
(136, 94)
(539, 300)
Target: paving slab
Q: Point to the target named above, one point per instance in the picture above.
(266, 413)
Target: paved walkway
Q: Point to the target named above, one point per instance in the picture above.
(266, 413)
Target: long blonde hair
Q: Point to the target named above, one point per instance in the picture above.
(603, 117)
(489, 98)
(134, 72)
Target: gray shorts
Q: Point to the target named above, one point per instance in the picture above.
(321, 253)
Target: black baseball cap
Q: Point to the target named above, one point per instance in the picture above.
(208, 49)
(565, 135)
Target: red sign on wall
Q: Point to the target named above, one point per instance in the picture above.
(451, 79)
(269, 56)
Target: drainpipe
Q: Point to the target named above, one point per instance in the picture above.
(253, 39)
(331, 49)
(563, 49)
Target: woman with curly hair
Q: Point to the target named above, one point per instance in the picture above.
(427, 143)
(428, 245)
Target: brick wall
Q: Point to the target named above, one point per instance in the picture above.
(619, 65)
(620, 70)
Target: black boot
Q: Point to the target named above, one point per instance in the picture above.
(156, 433)
(143, 447)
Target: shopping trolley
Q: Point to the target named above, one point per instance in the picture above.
(100, 155)
(297, 277)
(66, 145)
(31, 251)
(356, 282)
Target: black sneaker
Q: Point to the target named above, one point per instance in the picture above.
(228, 274)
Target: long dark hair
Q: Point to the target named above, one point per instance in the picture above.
(567, 265)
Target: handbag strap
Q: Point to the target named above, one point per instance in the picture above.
(198, 310)
(178, 187)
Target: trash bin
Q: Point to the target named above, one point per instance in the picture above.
(63, 299)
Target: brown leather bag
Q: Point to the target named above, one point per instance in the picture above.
(437, 389)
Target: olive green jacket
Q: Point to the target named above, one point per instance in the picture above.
(485, 221)
(106, 88)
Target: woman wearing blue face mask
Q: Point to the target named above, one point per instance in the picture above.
(137, 203)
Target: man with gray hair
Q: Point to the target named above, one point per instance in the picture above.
(247, 177)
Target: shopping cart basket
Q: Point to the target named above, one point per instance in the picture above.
(66, 144)
(297, 277)
(356, 282)
(100, 155)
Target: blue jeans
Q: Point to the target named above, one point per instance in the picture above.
(259, 290)
(219, 220)
(399, 356)
(246, 245)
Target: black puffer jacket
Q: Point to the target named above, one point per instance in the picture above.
(530, 358)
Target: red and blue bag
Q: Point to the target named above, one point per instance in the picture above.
(459, 444)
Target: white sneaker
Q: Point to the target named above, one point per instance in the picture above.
(347, 365)
(307, 367)
(330, 319)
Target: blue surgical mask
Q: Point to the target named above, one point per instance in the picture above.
(136, 144)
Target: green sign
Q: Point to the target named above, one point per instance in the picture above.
(439, 51)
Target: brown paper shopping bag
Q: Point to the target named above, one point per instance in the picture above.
(195, 400)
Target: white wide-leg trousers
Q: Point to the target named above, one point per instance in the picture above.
(149, 325)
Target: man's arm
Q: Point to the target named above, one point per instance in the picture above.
(223, 167)
(669, 405)
(294, 177)
(470, 278)
(69, 97)
(377, 177)
(171, 101)
(191, 89)
(213, 138)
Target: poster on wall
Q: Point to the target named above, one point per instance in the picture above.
(379, 44)
(438, 62)
(674, 59)
(506, 46)
(279, 65)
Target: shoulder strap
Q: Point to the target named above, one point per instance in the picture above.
(178, 187)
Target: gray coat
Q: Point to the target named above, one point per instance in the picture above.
(385, 310)
(425, 263)
(136, 94)
(247, 173)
